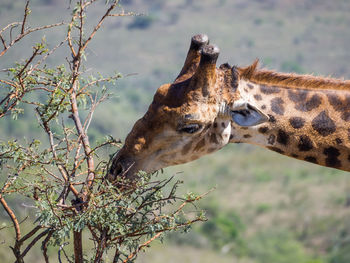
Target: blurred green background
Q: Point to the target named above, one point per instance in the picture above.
(266, 208)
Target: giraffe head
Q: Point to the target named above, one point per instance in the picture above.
(193, 116)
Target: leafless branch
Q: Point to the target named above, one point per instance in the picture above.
(110, 9)
(44, 246)
(52, 145)
(34, 241)
(19, 37)
(132, 255)
(46, 56)
(26, 12)
(11, 214)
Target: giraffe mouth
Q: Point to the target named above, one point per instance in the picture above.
(122, 167)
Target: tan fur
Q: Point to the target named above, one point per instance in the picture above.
(291, 80)
(301, 116)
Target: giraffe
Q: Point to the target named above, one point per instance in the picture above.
(205, 108)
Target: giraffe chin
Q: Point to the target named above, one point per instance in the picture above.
(128, 167)
(122, 166)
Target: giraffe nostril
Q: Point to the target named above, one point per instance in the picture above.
(119, 169)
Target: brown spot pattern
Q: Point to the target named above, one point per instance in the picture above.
(257, 97)
(282, 137)
(272, 118)
(323, 124)
(305, 144)
(310, 104)
(340, 105)
(299, 97)
(269, 90)
(332, 157)
(311, 159)
(263, 129)
(297, 122)
(275, 149)
(338, 141)
(277, 106)
(250, 86)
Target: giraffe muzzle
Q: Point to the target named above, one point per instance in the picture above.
(121, 167)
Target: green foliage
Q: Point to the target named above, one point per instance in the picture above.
(224, 229)
(262, 208)
(238, 165)
(127, 217)
(63, 177)
(340, 249)
(277, 247)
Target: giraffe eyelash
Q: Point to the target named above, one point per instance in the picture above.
(190, 128)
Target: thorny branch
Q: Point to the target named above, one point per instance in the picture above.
(25, 33)
(127, 218)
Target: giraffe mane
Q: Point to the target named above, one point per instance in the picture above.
(290, 80)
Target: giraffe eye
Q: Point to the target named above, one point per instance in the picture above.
(190, 128)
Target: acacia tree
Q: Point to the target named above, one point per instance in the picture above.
(64, 175)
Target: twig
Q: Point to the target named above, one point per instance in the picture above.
(11, 214)
(62, 249)
(45, 57)
(36, 239)
(26, 12)
(132, 255)
(10, 25)
(31, 233)
(52, 145)
(192, 200)
(116, 255)
(94, 104)
(44, 246)
(110, 9)
(96, 82)
(3, 41)
(18, 38)
(102, 241)
(35, 53)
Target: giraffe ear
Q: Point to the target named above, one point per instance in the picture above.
(245, 114)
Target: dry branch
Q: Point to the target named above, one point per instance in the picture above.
(54, 171)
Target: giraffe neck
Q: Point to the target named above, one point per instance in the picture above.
(308, 124)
